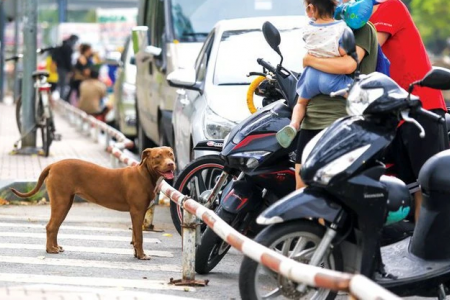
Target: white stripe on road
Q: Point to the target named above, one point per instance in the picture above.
(76, 237)
(80, 228)
(86, 249)
(92, 281)
(141, 266)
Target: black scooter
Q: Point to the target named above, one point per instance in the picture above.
(353, 200)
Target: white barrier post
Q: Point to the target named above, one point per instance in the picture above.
(189, 235)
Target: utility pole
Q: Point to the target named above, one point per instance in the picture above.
(30, 10)
(2, 50)
(62, 11)
(16, 49)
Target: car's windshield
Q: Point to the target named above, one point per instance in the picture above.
(192, 20)
(238, 51)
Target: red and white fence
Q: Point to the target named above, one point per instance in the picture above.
(115, 141)
(357, 285)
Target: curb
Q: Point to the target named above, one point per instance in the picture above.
(24, 185)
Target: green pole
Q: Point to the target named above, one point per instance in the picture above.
(29, 66)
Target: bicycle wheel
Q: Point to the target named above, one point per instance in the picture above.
(19, 113)
(47, 136)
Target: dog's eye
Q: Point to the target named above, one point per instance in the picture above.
(157, 156)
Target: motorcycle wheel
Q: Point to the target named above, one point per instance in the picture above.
(198, 176)
(258, 282)
(212, 248)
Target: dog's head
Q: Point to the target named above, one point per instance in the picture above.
(160, 160)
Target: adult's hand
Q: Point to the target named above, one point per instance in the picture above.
(334, 65)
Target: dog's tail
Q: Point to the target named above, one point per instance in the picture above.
(41, 179)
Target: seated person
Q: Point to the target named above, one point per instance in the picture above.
(92, 93)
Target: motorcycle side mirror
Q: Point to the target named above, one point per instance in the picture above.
(272, 36)
(438, 78)
(348, 43)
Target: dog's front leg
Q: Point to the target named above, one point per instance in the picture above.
(137, 218)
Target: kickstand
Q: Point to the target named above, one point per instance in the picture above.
(24, 135)
(441, 292)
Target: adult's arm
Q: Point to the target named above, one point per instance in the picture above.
(334, 65)
(382, 37)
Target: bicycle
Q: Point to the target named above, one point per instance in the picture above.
(43, 111)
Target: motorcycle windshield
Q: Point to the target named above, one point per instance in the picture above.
(342, 137)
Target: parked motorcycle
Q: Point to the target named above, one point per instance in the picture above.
(348, 191)
(262, 171)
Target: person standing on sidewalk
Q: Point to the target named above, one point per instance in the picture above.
(62, 56)
(403, 46)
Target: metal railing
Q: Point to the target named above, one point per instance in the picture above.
(358, 286)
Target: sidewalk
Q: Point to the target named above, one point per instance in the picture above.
(27, 168)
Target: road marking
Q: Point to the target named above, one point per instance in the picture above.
(141, 266)
(93, 281)
(86, 249)
(63, 236)
(68, 227)
(51, 291)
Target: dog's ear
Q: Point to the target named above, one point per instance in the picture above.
(145, 154)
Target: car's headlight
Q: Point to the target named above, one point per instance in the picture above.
(216, 127)
(325, 174)
(225, 139)
(359, 99)
(129, 92)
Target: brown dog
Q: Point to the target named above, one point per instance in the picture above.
(127, 189)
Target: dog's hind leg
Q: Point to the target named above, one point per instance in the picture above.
(137, 218)
(60, 206)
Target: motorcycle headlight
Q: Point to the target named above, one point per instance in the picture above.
(359, 99)
(326, 173)
(216, 127)
(251, 159)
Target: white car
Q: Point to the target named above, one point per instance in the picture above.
(213, 95)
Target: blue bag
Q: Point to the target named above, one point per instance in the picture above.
(383, 63)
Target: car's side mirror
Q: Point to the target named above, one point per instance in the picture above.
(153, 51)
(272, 36)
(349, 43)
(438, 78)
(184, 78)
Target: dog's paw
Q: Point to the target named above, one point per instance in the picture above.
(144, 257)
(60, 249)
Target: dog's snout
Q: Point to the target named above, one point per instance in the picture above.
(170, 164)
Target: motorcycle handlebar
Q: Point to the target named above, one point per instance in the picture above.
(15, 57)
(266, 65)
(38, 51)
(43, 50)
(431, 115)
